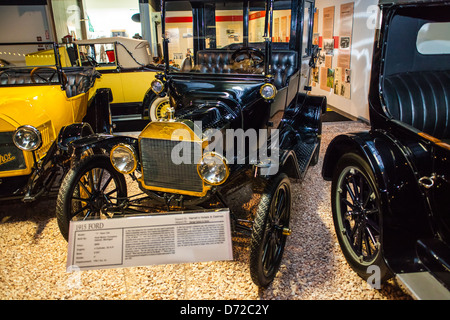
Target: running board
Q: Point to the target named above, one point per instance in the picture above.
(126, 117)
(423, 286)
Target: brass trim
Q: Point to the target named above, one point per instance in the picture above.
(206, 188)
(133, 152)
(268, 85)
(162, 86)
(225, 162)
(164, 130)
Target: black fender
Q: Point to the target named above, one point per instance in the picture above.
(73, 132)
(304, 118)
(289, 165)
(98, 113)
(360, 143)
(311, 110)
(302, 122)
(98, 144)
(403, 203)
(316, 101)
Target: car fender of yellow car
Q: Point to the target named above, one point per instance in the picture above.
(46, 108)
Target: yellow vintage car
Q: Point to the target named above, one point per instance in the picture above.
(128, 70)
(43, 106)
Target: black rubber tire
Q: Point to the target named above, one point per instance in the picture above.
(267, 231)
(70, 181)
(315, 156)
(361, 243)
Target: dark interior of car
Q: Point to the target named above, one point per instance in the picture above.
(77, 79)
(415, 85)
(220, 61)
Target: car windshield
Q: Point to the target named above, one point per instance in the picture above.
(114, 52)
(31, 63)
(225, 43)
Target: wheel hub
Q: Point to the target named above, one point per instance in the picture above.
(98, 201)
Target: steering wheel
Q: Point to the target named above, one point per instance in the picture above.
(91, 61)
(46, 77)
(255, 56)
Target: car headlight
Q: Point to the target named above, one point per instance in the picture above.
(123, 158)
(27, 138)
(268, 91)
(213, 169)
(157, 86)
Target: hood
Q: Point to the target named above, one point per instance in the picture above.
(28, 105)
(209, 115)
(214, 103)
(235, 93)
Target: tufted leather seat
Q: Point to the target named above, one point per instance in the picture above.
(79, 80)
(19, 77)
(284, 65)
(219, 61)
(214, 61)
(78, 83)
(420, 99)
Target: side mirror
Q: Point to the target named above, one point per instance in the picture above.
(314, 55)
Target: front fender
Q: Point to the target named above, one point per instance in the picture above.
(98, 144)
(73, 132)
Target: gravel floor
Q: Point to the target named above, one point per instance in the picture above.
(33, 258)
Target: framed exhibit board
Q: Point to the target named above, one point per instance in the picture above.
(333, 72)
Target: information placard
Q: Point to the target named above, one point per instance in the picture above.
(149, 240)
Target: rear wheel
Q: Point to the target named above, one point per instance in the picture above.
(88, 190)
(270, 230)
(357, 216)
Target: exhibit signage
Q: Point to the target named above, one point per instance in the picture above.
(149, 240)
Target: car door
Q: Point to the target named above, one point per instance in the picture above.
(440, 191)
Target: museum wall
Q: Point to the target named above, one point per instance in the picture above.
(24, 23)
(345, 30)
(112, 18)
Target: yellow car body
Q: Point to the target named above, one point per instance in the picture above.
(127, 69)
(46, 108)
(39, 94)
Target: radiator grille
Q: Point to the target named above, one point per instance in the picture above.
(45, 131)
(159, 170)
(11, 157)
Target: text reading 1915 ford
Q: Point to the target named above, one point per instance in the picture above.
(390, 185)
(241, 123)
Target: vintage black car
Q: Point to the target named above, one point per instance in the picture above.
(238, 82)
(390, 186)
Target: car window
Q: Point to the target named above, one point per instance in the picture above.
(98, 55)
(307, 23)
(434, 38)
(179, 30)
(281, 24)
(32, 63)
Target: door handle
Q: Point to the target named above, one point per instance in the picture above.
(427, 182)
